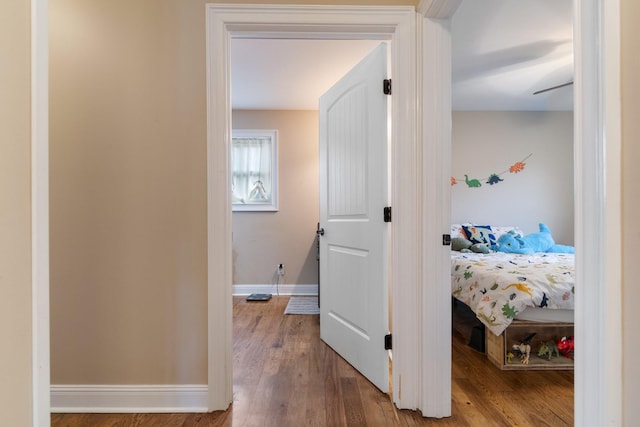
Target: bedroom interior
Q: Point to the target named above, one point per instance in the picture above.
(519, 142)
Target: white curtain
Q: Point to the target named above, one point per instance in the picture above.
(251, 166)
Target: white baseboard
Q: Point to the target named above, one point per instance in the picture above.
(240, 290)
(128, 398)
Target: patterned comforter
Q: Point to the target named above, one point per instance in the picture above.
(498, 286)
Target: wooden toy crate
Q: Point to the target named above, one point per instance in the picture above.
(497, 347)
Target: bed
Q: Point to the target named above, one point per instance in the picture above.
(501, 287)
(517, 296)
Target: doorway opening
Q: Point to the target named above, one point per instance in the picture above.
(495, 112)
(276, 84)
(350, 143)
(597, 214)
(394, 23)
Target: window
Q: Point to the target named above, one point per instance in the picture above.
(254, 180)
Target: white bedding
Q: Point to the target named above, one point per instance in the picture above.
(499, 286)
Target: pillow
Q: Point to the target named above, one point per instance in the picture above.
(457, 231)
(480, 234)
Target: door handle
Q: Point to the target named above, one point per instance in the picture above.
(320, 232)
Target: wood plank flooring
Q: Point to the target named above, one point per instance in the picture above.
(284, 375)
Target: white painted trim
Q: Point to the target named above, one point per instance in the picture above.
(436, 296)
(598, 376)
(219, 240)
(353, 22)
(611, 80)
(128, 398)
(283, 289)
(435, 131)
(406, 200)
(40, 213)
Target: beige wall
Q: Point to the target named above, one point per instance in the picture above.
(630, 70)
(261, 240)
(128, 191)
(486, 142)
(15, 215)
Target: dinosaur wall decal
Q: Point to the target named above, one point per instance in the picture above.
(472, 182)
(493, 178)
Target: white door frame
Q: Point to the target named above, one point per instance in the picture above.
(597, 158)
(597, 136)
(435, 299)
(40, 360)
(338, 22)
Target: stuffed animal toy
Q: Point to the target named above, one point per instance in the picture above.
(542, 241)
(463, 245)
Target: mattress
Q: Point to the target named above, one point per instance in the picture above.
(542, 315)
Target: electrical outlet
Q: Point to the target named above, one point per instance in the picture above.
(281, 269)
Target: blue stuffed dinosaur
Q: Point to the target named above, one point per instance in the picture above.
(542, 241)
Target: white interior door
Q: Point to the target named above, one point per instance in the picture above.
(353, 193)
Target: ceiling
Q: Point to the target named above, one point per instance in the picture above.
(290, 74)
(502, 52)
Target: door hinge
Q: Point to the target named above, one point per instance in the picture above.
(386, 86)
(446, 239)
(387, 214)
(387, 342)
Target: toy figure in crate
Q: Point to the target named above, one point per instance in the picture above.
(524, 348)
(548, 349)
(566, 347)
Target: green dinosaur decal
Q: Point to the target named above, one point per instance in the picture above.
(472, 182)
(508, 311)
(494, 287)
(468, 275)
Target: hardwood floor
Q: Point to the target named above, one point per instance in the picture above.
(285, 376)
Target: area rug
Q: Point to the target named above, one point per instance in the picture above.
(302, 305)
